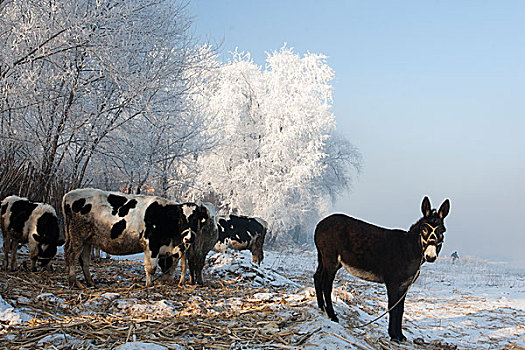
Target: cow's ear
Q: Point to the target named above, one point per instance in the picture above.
(37, 237)
(425, 207)
(444, 209)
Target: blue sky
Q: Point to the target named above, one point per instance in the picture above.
(431, 92)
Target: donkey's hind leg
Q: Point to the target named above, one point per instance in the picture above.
(326, 285)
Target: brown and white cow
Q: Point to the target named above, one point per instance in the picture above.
(195, 256)
(24, 221)
(122, 224)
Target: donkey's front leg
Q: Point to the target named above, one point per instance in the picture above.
(395, 292)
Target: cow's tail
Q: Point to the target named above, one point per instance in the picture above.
(66, 215)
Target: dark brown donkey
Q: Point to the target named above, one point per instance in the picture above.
(377, 254)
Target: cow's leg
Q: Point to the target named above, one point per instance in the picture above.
(170, 274)
(33, 264)
(395, 292)
(14, 248)
(254, 256)
(72, 251)
(194, 276)
(33, 256)
(197, 270)
(150, 264)
(7, 247)
(183, 268)
(191, 263)
(196, 264)
(85, 259)
(167, 265)
(318, 281)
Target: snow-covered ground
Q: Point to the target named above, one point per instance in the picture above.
(472, 304)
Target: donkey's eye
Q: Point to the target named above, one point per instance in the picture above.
(425, 231)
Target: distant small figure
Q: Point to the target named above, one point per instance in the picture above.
(454, 257)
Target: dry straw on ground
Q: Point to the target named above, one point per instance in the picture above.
(204, 324)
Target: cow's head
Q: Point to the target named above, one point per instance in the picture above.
(196, 216)
(432, 228)
(45, 240)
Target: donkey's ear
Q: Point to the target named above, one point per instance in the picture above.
(444, 209)
(425, 207)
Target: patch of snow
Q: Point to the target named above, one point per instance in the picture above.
(23, 300)
(49, 298)
(147, 346)
(110, 296)
(93, 305)
(133, 307)
(469, 302)
(51, 341)
(10, 315)
(239, 264)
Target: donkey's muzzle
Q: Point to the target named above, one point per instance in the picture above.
(430, 253)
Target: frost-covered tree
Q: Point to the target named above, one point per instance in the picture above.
(73, 73)
(230, 99)
(341, 163)
(153, 147)
(276, 130)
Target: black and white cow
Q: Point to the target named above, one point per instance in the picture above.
(24, 221)
(242, 232)
(121, 224)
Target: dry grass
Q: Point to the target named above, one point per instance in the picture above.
(205, 321)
